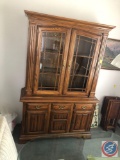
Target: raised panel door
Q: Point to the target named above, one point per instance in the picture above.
(37, 118)
(84, 50)
(81, 121)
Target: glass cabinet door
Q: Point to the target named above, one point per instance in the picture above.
(52, 50)
(81, 63)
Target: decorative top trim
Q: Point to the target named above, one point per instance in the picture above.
(72, 22)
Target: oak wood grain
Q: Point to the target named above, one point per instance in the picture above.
(61, 112)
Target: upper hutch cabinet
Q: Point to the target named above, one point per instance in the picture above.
(63, 61)
(60, 70)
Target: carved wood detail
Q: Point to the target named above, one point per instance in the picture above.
(30, 58)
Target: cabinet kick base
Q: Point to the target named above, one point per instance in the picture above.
(25, 138)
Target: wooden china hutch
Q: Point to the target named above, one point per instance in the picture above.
(64, 57)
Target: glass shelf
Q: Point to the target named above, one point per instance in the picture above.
(79, 75)
(82, 55)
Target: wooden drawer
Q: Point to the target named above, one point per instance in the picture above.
(61, 106)
(37, 106)
(84, 106)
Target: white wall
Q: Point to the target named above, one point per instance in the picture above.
(13, 41)
(108, 84)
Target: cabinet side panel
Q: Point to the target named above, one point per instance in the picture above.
(30, 59)
(114, 110)
(102, 50)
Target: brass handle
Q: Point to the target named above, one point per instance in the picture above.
(61, 107)
(38, 107)
(84, 107)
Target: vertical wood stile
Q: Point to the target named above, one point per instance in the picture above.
(101, 54)
(30, 58)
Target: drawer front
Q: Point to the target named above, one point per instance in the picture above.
(61, 106)
(37, 106)
(84, 107)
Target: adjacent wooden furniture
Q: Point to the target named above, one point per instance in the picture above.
(110, 112)
(63, 61)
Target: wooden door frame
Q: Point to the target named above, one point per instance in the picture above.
(69, 63)
(28, 114)
(38, 55)
(79, 112)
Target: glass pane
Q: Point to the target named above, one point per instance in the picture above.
(52, 42)
(52, 49)
(84, 46)
(48, 81)
(77, 83)
(81, 63)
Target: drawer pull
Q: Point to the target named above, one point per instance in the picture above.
(38, 107)
(61, 107)
(84, 107)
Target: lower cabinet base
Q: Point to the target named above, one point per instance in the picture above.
(25, 138)
(57, 119)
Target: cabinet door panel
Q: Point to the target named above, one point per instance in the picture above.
(114, 110)
(60, 118)
(81, 121)
(59, 122)
(37, 119)
(81, 63)
(52, 50)
(36, 122)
